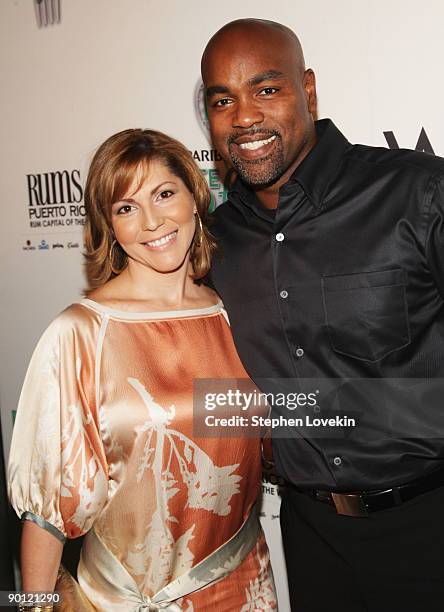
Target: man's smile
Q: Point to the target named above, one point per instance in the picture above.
(255, 147)
(256, 144)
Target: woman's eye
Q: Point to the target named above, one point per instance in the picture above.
(125, 209)
(164, 195)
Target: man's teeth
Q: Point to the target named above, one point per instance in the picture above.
(162, 241)
(256, 144)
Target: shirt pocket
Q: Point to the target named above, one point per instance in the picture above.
(366, 313)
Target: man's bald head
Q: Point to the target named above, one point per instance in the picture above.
(256, 31)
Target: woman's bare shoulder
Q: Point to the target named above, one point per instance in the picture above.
(107, 295)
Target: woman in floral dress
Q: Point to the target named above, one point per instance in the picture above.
(103, 443)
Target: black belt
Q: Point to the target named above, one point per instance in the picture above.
(361, 503)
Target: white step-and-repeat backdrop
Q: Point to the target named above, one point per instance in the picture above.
(114, 64)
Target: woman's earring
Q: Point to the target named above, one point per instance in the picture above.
(111, 257)
(198, 241)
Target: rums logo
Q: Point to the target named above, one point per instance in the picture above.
(55, 199)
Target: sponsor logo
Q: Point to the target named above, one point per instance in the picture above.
(200, 107)
(203, 155)
(216, 178)
(47, 12)
(218, 188)
(423, 145)
(55, 199)
(73, 245)
(43, 246)
(263, 514)
(28, 246)
(58, 245)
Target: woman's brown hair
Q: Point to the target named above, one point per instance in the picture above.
(110, 175)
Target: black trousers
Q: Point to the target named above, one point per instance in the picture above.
(390, 561)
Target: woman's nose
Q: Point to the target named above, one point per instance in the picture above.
(151, 219)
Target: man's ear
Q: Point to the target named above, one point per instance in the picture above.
(310, 92)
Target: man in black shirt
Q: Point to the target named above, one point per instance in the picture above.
(332, 269)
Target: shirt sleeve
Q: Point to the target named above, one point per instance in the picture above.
(57, 474)
(435, 235)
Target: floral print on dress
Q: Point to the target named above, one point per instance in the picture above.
(208, 487)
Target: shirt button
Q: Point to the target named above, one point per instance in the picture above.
(280, 237)
(337, 461)
(284, 294)
(299, 352)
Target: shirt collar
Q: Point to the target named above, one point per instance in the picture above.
(314, 173)
(317, 170)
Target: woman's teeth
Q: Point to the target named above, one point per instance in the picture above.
(162, 241)
(256, 144)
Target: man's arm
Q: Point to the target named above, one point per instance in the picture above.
(434, 245)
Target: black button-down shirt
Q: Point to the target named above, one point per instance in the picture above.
(344, 280)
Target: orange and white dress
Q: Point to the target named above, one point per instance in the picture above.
(103, 444)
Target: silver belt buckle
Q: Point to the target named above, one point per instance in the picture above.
(349, 504)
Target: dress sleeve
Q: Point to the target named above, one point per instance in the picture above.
(57, 475)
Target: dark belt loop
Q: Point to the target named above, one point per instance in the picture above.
(397, 496)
